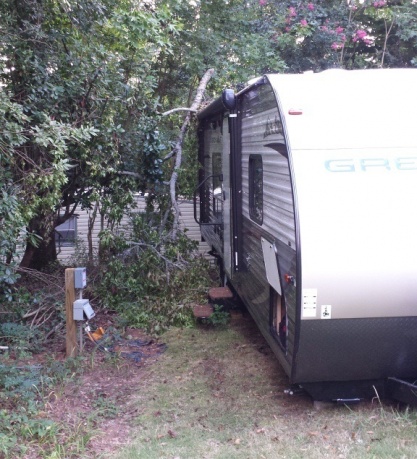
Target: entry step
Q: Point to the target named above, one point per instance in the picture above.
(202, 311)
(220, 293)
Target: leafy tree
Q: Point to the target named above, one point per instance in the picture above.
(81, 74)
(227, 36)
(84, 80)
(11, 210)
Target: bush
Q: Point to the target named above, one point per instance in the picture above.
(20, 336)
(151, 280)
(23, 393)
(219, 318)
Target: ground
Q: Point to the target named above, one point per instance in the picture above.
(107, 391)
(207, 393)
(93, 406)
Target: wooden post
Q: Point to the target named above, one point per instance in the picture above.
(71, 336)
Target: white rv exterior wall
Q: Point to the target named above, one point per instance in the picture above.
(331, 105)
(356, 189)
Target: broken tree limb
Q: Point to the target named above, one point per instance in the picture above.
(177, 150)
(179, 109)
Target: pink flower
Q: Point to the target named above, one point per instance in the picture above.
(362, 35)
(339, 30)
(336, 46)
(324, 28)
(292, 11)
(262, 2)
(310, 6)
(303, 23)
(288, 29)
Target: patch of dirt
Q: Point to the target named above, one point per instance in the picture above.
(101, 402)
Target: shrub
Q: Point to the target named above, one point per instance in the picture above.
(150, 279)
(20, 336)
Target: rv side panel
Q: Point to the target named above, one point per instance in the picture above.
(268, 213)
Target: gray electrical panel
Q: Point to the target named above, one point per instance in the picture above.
(83, 310)
(80, 277)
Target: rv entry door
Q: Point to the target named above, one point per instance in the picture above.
(227, 227)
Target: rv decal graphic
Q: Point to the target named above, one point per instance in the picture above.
(326, 311)
(309, 306)
(371, 164)
(273, 127)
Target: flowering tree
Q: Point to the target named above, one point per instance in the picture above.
(354, 34)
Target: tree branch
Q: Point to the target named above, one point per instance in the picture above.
(178, 148)
(184, 109)
(387, 34)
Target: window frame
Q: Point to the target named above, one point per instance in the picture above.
(67, 228)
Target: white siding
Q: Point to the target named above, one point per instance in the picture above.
(186, 221)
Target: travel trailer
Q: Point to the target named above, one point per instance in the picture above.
(308, 195)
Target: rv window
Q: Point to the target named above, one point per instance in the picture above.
(66, 233)
(256, 188)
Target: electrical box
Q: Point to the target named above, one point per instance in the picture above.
(83, 310)
(80, 277)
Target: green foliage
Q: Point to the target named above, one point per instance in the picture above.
(22, 393)
(77, 105)
(12, 218)
(219, 317)
(105, 407)
(149, 279)
(228, 37)
(20, 336)
(315, 35)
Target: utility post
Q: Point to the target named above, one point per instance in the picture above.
(71, 329)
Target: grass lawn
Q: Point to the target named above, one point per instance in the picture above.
(219, 393)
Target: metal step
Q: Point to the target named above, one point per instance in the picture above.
(220, 293)
(202, 311)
